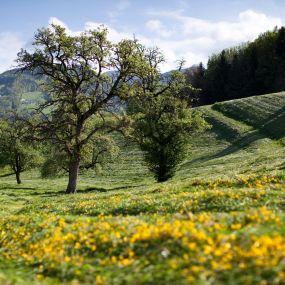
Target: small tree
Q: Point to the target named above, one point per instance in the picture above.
(85, 74)
(15, 151)
(162, 118)
(162, 130)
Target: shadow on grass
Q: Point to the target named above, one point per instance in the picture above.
(101, 189)
(81, 191)
(282, 166)
(49, 193)
(241, 143)
(92, 189)
(6, 175)
(272, 127)
(221, 130)
(16, 188)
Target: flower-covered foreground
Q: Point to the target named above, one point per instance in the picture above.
(203, 232)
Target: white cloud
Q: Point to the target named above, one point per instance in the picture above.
(170, 51)
(178, 36)
(10, 45)
(56, 21)
(190, 38)
(157, 27)
(120, 7)
(195, 39)
(113, 34)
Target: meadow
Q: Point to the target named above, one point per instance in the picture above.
(220, 220)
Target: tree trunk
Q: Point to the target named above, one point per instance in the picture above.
(17, 168)
(73, 174)
(163, 172)
(18, 177)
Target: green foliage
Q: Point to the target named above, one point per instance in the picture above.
(85, 75)
(252, 68)
(162, 130)
(15, 151)
(195, 77)
(99, 151)
(19, 90)
(55, 164)
(249, 69)
(162, 119)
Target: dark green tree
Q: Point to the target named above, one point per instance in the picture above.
(162, 130)
(195, 77)
(279, 83)
(220, 82)
(249, 69)
(162, 119)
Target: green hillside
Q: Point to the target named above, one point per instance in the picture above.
(220, 220)
(246, 137)
(265, 113)
(19, 89)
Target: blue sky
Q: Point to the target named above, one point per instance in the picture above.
(189, 29)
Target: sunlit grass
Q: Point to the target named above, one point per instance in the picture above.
(220, 220)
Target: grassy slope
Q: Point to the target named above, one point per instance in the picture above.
(246, 139)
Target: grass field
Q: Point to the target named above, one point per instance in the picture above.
(220, 220)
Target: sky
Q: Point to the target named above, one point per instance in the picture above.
(184, 29)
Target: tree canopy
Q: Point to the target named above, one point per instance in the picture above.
(252, 68)
(15, 151)
(163, 120)
(85, 77)
(163, 128)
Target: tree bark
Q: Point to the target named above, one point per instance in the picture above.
(17, 168)
(73, 175)
(18, 177)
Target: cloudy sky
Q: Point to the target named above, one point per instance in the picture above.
(188, 29)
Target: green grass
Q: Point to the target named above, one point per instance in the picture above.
(229, 188)
(265, 113)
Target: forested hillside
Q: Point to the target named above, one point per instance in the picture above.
(249, 69)
(19, 89)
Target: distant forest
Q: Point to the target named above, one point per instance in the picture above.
(249, 69)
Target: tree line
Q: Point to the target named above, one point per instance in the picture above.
(249, 69)
(87, 81)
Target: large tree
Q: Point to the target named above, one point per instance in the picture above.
(85, 75)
